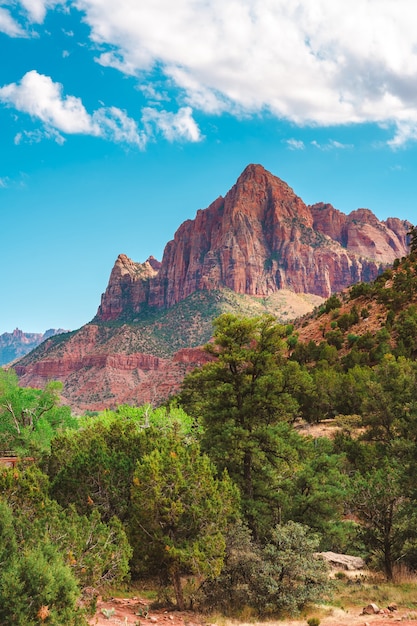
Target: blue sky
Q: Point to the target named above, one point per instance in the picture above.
(119, 120)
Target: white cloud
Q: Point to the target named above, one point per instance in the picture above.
(332, 144)
(111, 59)
(116, 126)
(43, 99)
(36, 9)
(295, 144)
(405, 131)
(29, 11)
(173, 126)
(325, 62)
(38, 135)
(9, 26)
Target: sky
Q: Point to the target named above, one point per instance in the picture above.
(120, 119)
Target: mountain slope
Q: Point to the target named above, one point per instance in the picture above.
(366, 321)
(260, 249)
(107, 364)
(259, 239)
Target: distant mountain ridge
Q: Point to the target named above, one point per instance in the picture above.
(259, 249)
(16, 344)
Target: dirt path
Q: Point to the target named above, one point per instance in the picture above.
(133, 611)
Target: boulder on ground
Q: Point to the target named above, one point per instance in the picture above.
(344, 561)
(371, 609)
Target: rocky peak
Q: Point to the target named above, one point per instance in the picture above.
(260, 238)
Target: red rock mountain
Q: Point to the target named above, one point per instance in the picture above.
(257, 240)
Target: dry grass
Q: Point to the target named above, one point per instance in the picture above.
(373, 588)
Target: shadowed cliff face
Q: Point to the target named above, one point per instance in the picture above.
(257, 240)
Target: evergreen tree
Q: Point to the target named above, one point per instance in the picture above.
(180, 513)
(412, 234)
(246, 398)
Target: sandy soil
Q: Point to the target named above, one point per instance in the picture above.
(130, 612)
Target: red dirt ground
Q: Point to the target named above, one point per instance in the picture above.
(130, 612)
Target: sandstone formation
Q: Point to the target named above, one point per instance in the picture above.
(259, 249)
(259, 239)
(95, 379)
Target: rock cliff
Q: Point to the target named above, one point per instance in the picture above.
(258, 239)
(259, 249)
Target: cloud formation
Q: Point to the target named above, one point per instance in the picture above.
(8, 25)
(325, 62)
(173, 126)
(41, 98)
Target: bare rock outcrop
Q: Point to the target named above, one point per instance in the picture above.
(260, 238)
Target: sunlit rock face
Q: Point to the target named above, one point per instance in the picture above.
(259, 238)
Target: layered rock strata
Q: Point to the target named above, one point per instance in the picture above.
(260, 238)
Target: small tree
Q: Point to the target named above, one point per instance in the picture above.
(379, 503)
(97, 553)
(281, 577)
(412, 234)
(180, 512)
(30, 417)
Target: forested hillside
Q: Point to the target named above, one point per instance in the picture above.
(218, 494)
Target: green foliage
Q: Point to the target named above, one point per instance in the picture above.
(406, 328)
(35, 583)
(29, 418)
(332, 303)
(316, 494)
(245, 398)
(335, 338)
(412, 234)
(97, 553)
(360, 289)
(378, 501)
(322, 402)
(93, 468)
(297, 576)
(279, 578)
(389, 403)
(180, 512)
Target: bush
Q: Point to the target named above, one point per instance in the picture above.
(335, 338)
(35, 584)
(332, 303)
(279, 578)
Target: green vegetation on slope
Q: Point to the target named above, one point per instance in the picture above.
(186, 324)
(219, 487)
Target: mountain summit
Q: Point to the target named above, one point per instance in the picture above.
(260, 249)
(258, 239)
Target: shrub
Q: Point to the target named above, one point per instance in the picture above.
(35, 583)
(332, 303)
(281, 577)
